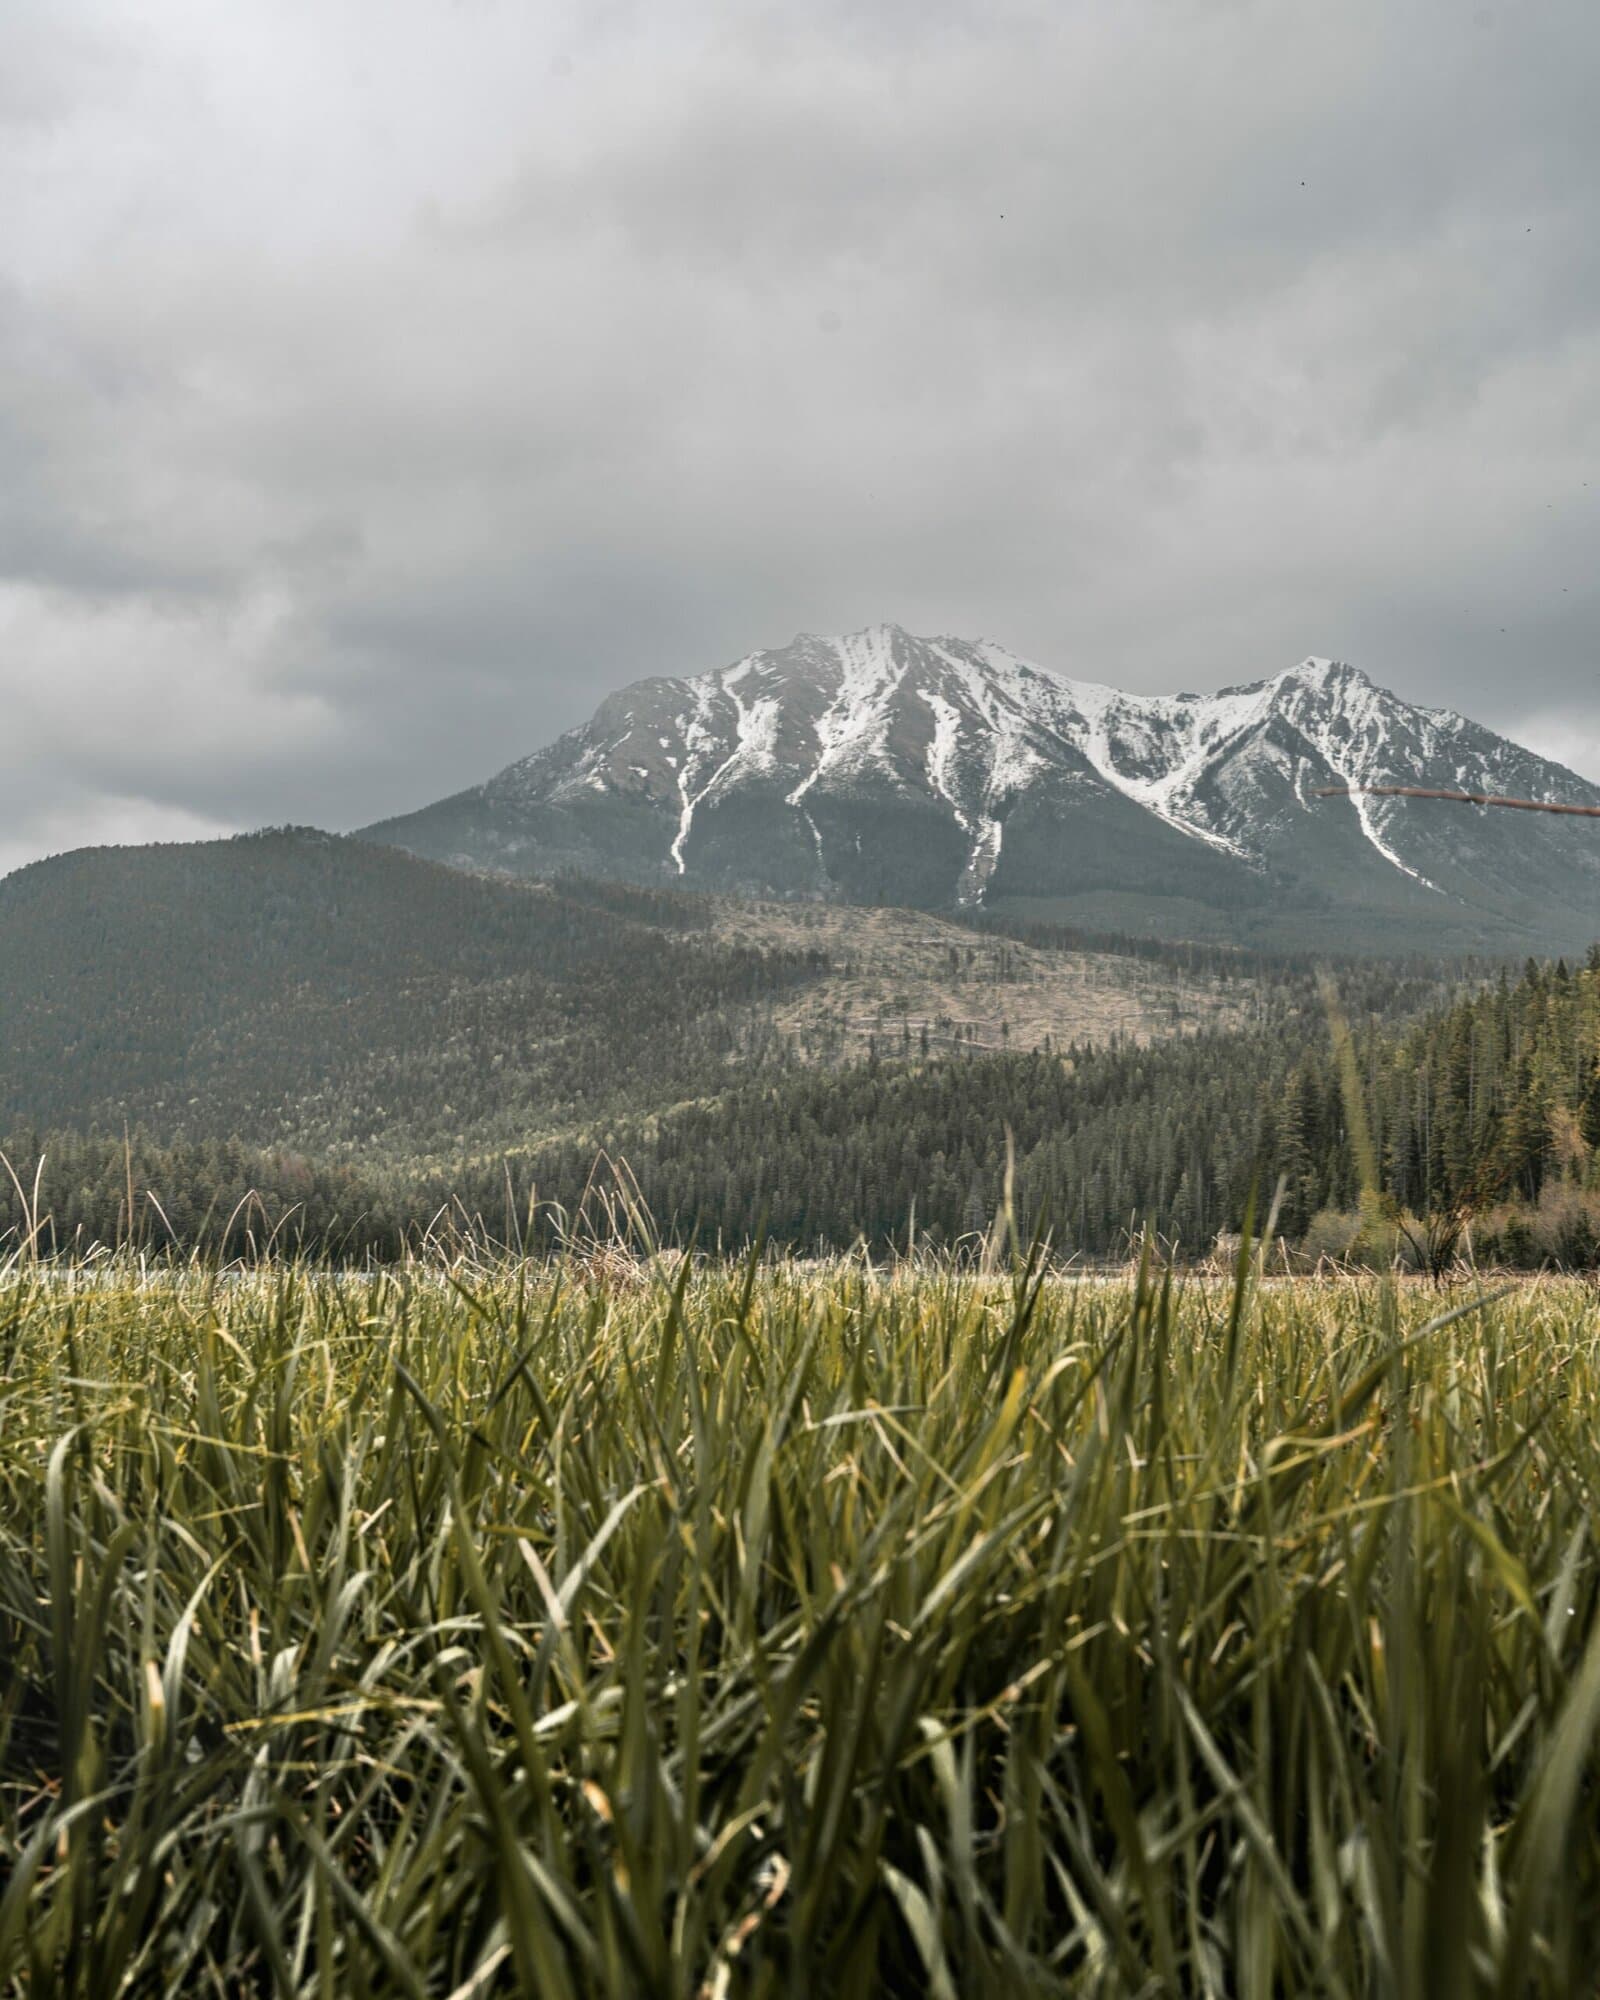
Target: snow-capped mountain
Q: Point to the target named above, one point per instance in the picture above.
(885, 767)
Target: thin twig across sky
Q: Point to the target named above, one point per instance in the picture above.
(1459, 798)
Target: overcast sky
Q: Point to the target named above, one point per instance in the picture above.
(382, 381)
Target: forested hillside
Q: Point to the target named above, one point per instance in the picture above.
(1490, 1106)
(1495, 1109)
(293, 988)
(67, 1192)
(1106, 1139)
(366, 1040)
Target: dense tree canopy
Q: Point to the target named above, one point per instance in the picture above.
(1493, 1102)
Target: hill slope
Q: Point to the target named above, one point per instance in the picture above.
(1104, 1138)
(886, 768)
(899, 979)
(291, 987)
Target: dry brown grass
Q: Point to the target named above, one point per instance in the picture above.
(901, 971)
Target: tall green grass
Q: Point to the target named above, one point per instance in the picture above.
(773, 1631)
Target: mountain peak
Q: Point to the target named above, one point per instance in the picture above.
(1314, 671)
(880, 766)
(884, 630)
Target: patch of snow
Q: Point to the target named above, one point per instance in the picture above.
(816, 836)
(851, 728)
(700, 744)
(981, 862)
(1181, 735)
(998, 695)
(942, 751)
(754, 748)
(1016, 764)
(1361, 709)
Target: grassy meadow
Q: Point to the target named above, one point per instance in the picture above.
(736, 1630)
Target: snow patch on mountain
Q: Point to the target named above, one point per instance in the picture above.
(1352, 739)
(701, 747)
(1171, 741)
(850, 731)
(942, 751)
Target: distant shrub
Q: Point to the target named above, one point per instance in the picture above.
(1562, 1228)
(1334, 1233)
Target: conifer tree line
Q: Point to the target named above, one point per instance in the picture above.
(1491, 1105)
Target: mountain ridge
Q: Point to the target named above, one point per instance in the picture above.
(942, 772)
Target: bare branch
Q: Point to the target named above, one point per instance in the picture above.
(1458, 798)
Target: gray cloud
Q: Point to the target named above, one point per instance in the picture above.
(378, 387)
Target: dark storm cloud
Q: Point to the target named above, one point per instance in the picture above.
(379, 386)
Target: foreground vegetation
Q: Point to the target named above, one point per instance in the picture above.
(608, 1630)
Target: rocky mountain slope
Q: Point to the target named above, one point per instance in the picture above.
(885, 768)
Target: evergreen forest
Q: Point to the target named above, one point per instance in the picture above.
(1362, 1117)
